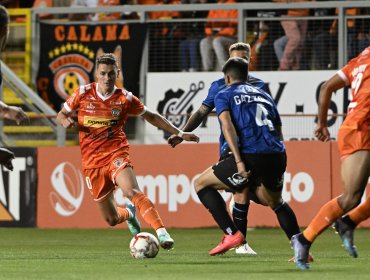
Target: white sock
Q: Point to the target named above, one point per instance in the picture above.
(131, 215)
(161, 231)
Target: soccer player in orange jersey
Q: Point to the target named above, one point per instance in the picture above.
(102, 113)
(354, 148)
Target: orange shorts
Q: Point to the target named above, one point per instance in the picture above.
(101, 181)
(351, 140)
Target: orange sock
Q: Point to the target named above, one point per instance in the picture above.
(147, 210)
(361, 212)
(323, 219)
(123, 214)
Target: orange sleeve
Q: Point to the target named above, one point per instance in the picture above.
(73, 102)
(136, 106)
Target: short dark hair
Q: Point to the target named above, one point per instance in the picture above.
(240, 46)
(236, 68)
(107, 58)
(4, 16)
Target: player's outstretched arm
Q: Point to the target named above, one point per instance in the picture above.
(64, 118)
(162, 123)
(13, 113)
(334, 83)
(193, 122)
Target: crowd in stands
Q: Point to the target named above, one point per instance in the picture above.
(200, 42)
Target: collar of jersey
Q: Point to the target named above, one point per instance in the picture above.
(102, 96)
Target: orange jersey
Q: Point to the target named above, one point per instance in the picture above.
(356, 74)
(101, 120)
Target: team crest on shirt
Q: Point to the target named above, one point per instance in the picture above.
(116, 112)
(118, 162)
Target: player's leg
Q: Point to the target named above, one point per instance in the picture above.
(239, 209)
(101, 188)
(126, 180)
(355, 172)
(206, 186)
(345, 226)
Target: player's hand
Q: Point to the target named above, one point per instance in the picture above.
(6, 158)
(322, 133)
(67, 122)
(17, 114)
(242, 170)
(187, 136)
(174, 140)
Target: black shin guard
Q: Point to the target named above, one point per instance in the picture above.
(215, 204)
(240, 213)
(287, 219)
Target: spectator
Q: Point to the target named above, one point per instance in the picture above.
(92, 4)
(164, 40)
(128, 14)
(279, 46)
(219, 36)
(325, 43)
(193, 31)
(295, 30)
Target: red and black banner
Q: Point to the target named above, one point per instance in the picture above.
(18, 190)
(68, 53)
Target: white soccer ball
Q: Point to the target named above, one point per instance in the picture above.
(144, 245)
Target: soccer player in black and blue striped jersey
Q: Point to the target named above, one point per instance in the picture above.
(251, 127)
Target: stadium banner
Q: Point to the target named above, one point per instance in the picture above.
(18, 190)
(68, 52)
(176, 95)
(337, 181)
(63, 199)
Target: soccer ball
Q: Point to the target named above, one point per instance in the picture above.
(144, 245)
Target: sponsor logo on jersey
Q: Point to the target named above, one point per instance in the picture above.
(98, 122)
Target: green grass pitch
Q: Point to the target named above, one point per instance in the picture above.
(104, 254)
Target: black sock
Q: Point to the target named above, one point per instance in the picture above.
(240, 213)
(303, 240)
(347, 220)
(287, 219)
(215, 204)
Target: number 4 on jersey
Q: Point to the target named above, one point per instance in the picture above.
(261, 117)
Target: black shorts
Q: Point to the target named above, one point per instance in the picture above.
(267, 169)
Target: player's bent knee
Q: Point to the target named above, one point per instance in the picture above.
(198, 184)
(112, 221)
